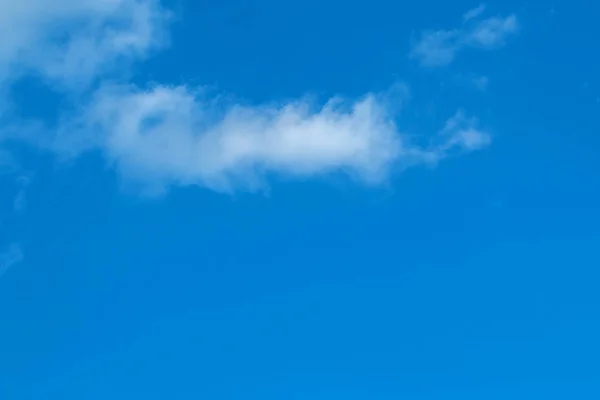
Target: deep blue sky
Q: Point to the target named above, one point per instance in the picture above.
(475, 278)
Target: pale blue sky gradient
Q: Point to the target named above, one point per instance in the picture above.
(182, 217)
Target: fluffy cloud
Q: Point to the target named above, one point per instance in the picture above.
(172, 135)
(163, 135)
(71, 42)
(439, 48)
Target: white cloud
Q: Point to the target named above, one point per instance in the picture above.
(12, 256)
(461, 132)
(71, 42)
(171, 135)
(474, 12)
(166, 135)
(436, 48)
(439, 48)
(492, 32)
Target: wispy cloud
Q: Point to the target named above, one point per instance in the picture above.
(70, 43)
(492, 33)
(12, 256)
(165, 135)
(461, 132)
(439, 48)
(473, 81)
(474, 12)
(171, 135)
(20, 199)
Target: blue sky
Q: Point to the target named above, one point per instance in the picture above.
(309, 199)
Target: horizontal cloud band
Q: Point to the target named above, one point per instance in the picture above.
(171, 135)
(167, 135)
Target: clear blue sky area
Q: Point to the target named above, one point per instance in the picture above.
(242, 199)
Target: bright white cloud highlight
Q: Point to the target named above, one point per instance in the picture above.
(439, 48)
(170, 135)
